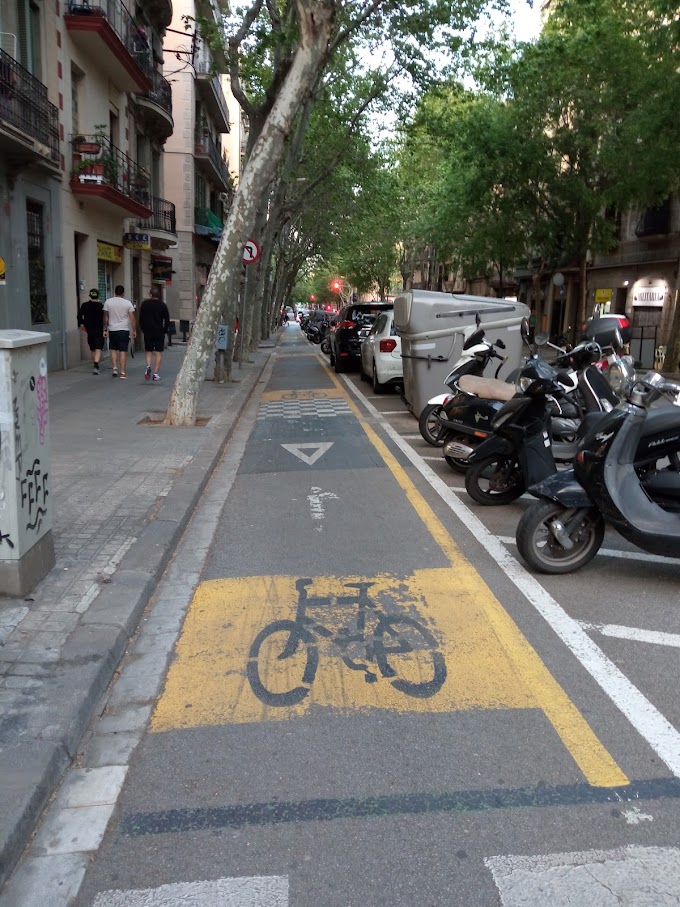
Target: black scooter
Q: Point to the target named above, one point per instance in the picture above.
(564, 529)
(530, 434)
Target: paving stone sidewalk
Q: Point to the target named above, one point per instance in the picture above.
(123, 491)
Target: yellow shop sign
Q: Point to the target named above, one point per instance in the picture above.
(108, 252)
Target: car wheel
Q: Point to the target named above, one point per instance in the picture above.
(378, 388)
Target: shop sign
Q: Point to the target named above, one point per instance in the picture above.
(3, 273)
(140, 241)
(602, 297)
(651, 296)
(108, 252)
(161, 269)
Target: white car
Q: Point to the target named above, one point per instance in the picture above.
(381, 354)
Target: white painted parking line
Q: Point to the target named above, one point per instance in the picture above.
(413, 437)
(247, 891)
(434, 459)
(635, 634)
(625, 877)
(614, 552)
(647, 720)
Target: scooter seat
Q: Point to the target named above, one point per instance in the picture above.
(488, 388)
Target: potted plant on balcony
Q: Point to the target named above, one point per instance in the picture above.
(83, 145)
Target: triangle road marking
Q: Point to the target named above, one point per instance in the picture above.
(298, 450)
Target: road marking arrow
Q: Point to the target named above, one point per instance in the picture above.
(310, 459)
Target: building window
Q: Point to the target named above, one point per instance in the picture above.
(35, 232)
(76, 85)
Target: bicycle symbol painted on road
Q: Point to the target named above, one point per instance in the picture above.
(394, 643)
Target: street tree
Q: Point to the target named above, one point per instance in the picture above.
(297, 40)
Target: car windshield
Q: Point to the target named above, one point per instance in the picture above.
(364, 317)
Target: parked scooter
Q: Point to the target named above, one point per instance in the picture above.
(615, 480)
(539, 427)
(476, 354)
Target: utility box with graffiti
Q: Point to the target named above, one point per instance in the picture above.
(26, 545)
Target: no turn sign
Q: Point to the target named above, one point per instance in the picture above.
(251, 252)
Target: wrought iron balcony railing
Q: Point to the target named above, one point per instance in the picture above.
(163, 217)
(118, 17)
(160, 92)
(24, 104)
(206, 146)
(97, 160)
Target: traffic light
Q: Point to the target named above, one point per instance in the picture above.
(336, 286)
(312, 297)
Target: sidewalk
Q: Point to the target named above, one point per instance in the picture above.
(123, 491)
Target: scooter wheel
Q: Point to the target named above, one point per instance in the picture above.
(538, 545)
(325, 346)
(430, 427)
(494, 480)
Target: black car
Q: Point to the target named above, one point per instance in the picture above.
(354, 323)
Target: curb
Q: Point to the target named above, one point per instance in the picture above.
(93, 651)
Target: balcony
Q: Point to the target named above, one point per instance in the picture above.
(155, 107)
(208, 224)
(106, 176)
(210, 160)
(106, 32)
(161, 226)
(29, 123)
(210, 89)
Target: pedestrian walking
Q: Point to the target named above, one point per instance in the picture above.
(154, 323)
(91, 320)
(120, 325)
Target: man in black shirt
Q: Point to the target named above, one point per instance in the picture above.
(91, 320)
(154, 320)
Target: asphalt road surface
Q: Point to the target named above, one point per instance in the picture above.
(370, 702)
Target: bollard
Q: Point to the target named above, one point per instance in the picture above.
(26, 544)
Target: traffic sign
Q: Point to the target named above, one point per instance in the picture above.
(251, 252)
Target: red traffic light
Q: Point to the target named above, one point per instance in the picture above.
(336, 286)
(312, 297)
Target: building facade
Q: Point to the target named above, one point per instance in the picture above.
(84, 115)
(197, 174)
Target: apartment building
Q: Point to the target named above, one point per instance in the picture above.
(197, 170)
(641, 276)
(31, 172)
(84, 115)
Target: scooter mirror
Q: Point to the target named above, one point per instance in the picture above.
(500, 344)
(541, 338)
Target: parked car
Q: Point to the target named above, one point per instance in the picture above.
(381, 354)
(354, 323)
(598, 323)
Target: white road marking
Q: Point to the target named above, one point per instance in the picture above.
(625, 877)
(635, 634)
(316, 499)
(298, 450)
(615, 552)
(418, 437)
(652, 726)
(247, 891)
(635, 815)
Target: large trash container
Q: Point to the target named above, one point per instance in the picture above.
(431, 327)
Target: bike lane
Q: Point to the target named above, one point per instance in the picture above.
(342, 662)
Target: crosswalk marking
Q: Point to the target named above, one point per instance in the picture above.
(246, 891)
(625, 877)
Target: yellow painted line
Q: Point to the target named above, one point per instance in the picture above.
(593, 759)
(323, 393)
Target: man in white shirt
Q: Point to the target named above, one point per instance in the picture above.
(119, 324)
